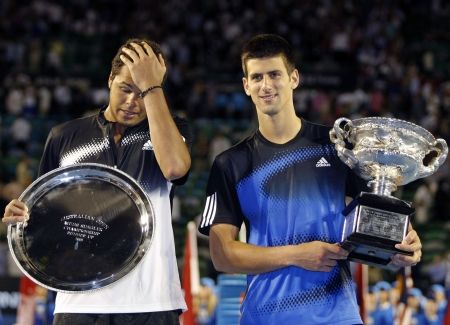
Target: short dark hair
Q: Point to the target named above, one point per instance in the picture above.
(266, 46)
(117, 63)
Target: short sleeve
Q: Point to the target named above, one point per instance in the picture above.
(222, 204)
(49, 159)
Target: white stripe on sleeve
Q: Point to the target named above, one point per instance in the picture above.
(214, 209)
(209, 211)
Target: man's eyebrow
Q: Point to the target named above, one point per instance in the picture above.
(123, 83)
(266, 72)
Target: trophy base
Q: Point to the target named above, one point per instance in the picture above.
(372, 251)
(373, 225)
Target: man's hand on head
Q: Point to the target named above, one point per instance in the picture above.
(146, 68)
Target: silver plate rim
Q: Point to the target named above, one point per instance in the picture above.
(15, 231)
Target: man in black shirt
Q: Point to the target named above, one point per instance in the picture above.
(137, 134)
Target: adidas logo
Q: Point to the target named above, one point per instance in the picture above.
(148, 146)
(323, 163)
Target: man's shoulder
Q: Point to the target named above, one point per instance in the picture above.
(316, 127)
(316, 131)
(238, 150)
(81, 123)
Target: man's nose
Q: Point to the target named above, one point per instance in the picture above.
(266, 83)
(132, 97)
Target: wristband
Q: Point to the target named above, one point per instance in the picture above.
(146, 91)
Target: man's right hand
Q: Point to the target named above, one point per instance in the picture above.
(16, 211)
(319, 256)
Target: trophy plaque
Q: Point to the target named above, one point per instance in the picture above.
(89, 225)
(387, 153)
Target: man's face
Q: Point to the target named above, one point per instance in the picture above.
(413, 302)
(269, 84)
(125, 107)
(384, 295)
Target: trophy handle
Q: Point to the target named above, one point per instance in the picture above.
(341, 132)
(441, 150)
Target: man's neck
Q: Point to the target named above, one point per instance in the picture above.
(280, 129)
(119, 131)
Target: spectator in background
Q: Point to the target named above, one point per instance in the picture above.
(370, 304)
(423, 201)
(30, 105)
(12, 190)
(430, 312)
(413, 313)
(45, 99)
(20, 131)
(62, 94)
(385, 312)
(24, 173)
(205, 302)
(441, 200)
(22, 178)
(218, 144)
(438, 295)
(436, 269)
(14, 101)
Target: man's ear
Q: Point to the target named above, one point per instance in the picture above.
(245, 83)
(295, 79)
(110, 80)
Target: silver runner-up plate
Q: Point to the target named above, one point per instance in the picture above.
(89, 226)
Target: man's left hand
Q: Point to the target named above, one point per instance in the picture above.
(411, 243)
(146, 68)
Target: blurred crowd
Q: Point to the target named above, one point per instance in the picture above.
(386, 304)
(356, 59)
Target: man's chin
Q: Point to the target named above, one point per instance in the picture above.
(268, 110)
(130, 120)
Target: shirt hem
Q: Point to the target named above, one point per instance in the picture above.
(121, 309)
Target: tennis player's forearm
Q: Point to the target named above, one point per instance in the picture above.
(238, 257)
(170, 150)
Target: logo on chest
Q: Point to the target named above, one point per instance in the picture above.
(148, 145)
(322, 163)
